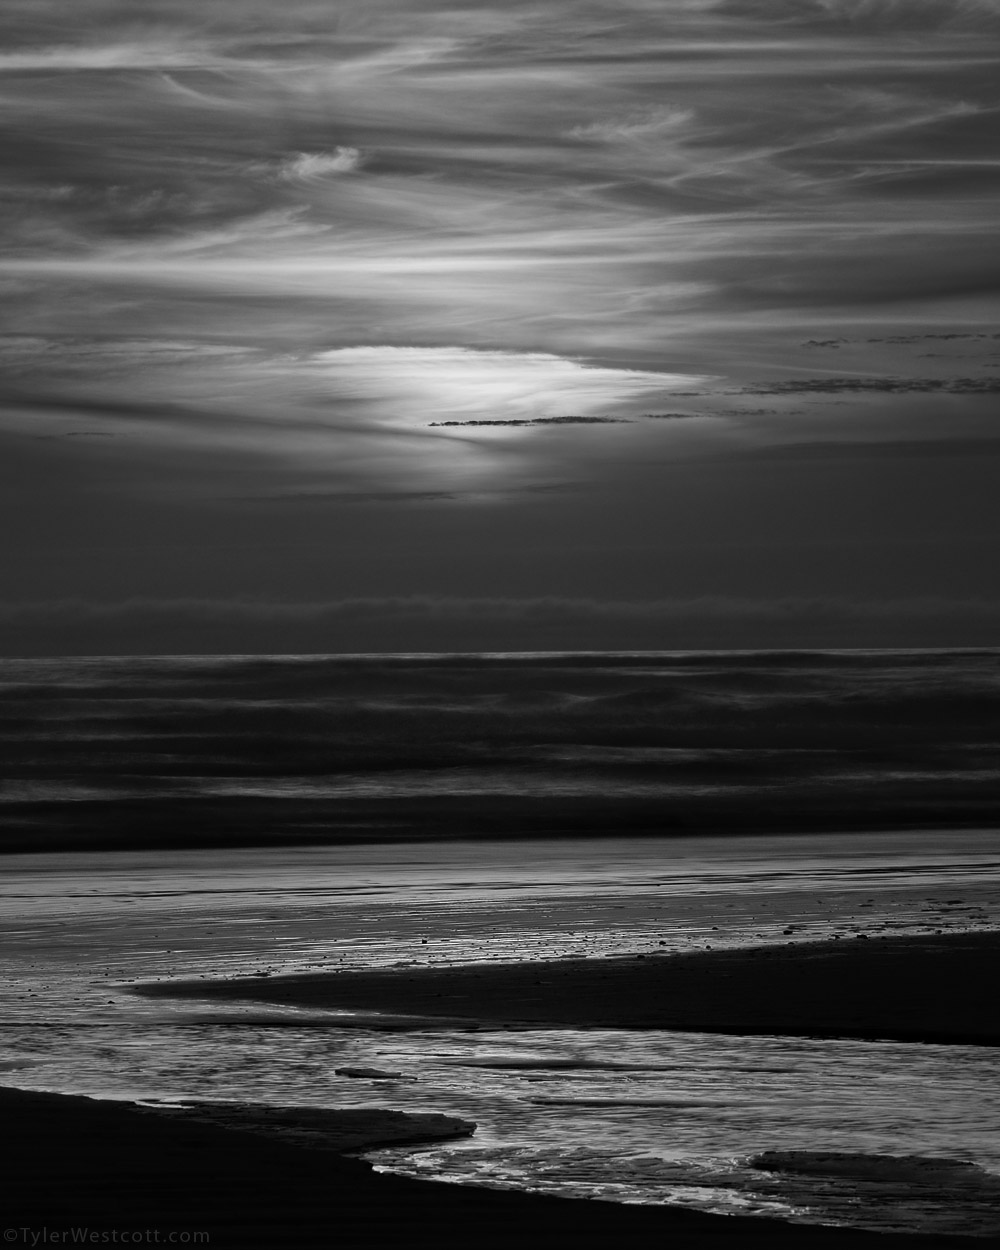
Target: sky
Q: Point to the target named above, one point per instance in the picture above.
(423, 325)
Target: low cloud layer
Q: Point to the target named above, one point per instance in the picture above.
(428, 623)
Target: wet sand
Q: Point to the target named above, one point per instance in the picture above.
(136, 1176)
(103, 1166)
(929, 988)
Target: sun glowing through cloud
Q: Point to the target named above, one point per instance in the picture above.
(416, 384)
(670, 282)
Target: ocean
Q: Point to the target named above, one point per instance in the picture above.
(198, 817)
(211, 751)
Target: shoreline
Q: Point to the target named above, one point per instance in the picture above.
(115, 1168)
(265, 1178)
(929, 988)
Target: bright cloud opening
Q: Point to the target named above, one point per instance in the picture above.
(420, 384)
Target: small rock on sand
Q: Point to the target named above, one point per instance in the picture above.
(372, 1074)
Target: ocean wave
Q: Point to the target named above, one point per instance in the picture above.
(642, 742)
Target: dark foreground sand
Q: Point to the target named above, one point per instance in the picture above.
(139, 1178)
(936, 988)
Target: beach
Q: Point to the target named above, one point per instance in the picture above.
(929, 988)
(558, 996)
(112, 1170)
(107, 1168)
